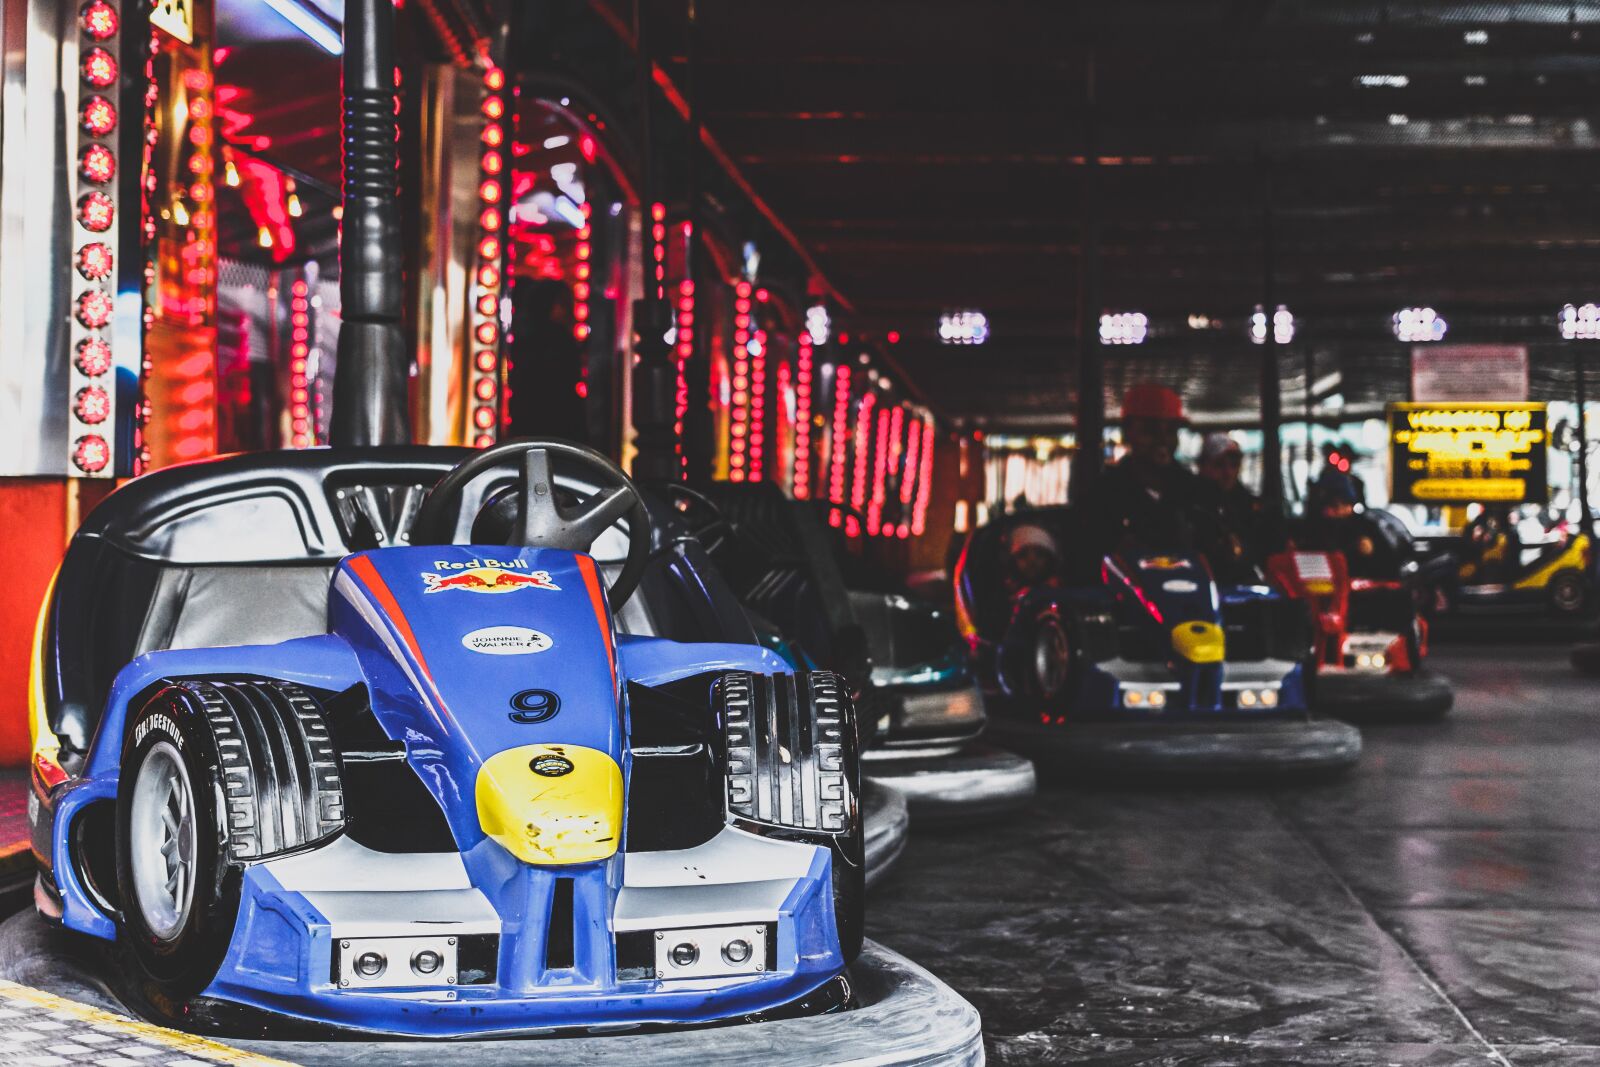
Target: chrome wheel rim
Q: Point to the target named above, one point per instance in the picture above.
(162, 841)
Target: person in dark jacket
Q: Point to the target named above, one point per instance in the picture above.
(1252, 529)
(1148, 502)
(1333, 522)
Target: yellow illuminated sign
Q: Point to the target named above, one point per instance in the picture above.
(1465, 452)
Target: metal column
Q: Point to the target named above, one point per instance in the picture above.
(655, 376)
(1090, 418)
(1271, 390)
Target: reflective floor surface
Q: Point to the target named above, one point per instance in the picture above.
(1439, 906)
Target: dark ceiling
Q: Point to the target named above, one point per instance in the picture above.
(931, 155)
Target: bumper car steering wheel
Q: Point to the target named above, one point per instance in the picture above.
(539, 519)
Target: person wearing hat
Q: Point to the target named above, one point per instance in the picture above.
(1252, 531)
(1034, 557)
(1333, 523)
(1147, 501)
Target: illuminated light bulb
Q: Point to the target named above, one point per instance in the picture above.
(1282, 326)
(489, 248)
(93, 357)
(94, 261)
(483, 440)
(91, 453)
(483, 417)
(99, 116)
(264, 237)
(494, 79)
(494, 108)
(97, 163)
(1124, 328)
(92, 405)
(493, 136)
(486, 361)
(485, 333)
(293, 206)
(1579, 323)
(962, 328)
(1419, 324)
(94, 307)
(484, 389)
(488, 304)
(490, 219)
(99, 68)
(488, 277)
(493, 162)
(99, 20)
(490, 192)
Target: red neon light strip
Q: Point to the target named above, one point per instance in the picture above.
(802, 416)
(858, 488)
(908, 479)
(840, 440)
(758, 404)
(880, 470)
(685, 351)
(487, 398)
(739, 399)
(919, 514)
(300, 433)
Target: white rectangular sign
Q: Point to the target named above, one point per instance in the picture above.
(1447, 373)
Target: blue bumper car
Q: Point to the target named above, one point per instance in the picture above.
(1143, 664)
(317, 749)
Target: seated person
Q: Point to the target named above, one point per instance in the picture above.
(1331, 523)
(1035, 561)
(1494, 547)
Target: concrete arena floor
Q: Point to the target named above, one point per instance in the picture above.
(1439, 906)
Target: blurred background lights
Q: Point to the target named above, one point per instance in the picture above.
(1580, 323)
(1419, 324)
(1124, 328)
(963, 328)
(1282, 326)
(818, 324)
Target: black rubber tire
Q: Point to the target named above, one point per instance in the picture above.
(263, 749)
(1047, 638)
(794, 771)
(1569, 594)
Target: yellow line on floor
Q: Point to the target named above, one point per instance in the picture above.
(19, 995)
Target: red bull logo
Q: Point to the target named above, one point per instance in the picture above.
(485, 578)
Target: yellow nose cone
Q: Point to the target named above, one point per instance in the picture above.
(552, 804)
(1199, 642)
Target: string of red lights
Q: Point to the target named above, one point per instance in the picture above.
(802, 415)
(487, 281)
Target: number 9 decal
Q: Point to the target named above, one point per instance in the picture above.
(534, 706)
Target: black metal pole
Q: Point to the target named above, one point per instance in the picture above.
(655, 376)
(1586, 520)
(370, 398)
(1271, 391)
(1090, 418)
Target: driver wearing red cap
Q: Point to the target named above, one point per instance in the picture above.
(1147, 500)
